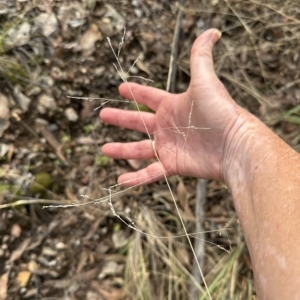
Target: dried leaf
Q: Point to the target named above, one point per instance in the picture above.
(82, 261)
(64, 283)
(3, 286)
(112, 294)
(148, 37)
(85, 160)
(183, 199)
(70, 195)
(89, 38)
(87, 109)
(182, 194)
(23, 278)
(142, 66)
(134, 163)
(108, 292)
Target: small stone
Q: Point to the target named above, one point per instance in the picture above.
(47, 23)
(74, 287)
(4, 110)
(60, 246)
(31, 293)
(5, 239)
(119, 239)
(22, 99)
(17, 36)
(4, 114)
(4, 124)
(109, 269)
(53, 127)
(49, 251)
(45, 262)
(4, 8)
(71, 114)
(77, 242)
(47, 80)
(32, 266)
(138, 12)
(90, 4)
(46, 102)
(33, 91)
(41, 122)
(116, 19)
(16, 230)
(99, 71)
(134, 70)
(92, 296)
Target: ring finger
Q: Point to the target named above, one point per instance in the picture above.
(133, 150)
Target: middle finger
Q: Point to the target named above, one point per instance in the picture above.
(134, 120)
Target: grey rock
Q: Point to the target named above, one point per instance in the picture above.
(4, 114)
(109, 269)
(17, 36)
(22, 99)
(71, 114)
(47, 23)
(46, 102)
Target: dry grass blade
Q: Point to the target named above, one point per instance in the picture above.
(34, 201)
(137, 281)
(258, 61)
(158, 261)
(222, 275)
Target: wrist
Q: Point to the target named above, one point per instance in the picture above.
(244, 147)
(253, 152)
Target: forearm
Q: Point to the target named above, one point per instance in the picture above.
(263, 175)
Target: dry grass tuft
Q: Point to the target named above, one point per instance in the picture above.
(258, 60)
(258, 55)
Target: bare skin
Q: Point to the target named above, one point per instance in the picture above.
(261, 171)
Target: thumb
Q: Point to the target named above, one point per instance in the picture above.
(201, 56)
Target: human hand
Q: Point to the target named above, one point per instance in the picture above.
(190, 130)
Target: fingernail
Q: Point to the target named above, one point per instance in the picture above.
(218, 33)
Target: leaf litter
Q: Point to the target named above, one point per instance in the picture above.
(66, 42)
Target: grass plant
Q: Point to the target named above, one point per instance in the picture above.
(158, 260)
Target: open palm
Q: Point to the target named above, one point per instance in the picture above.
(189, 129)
